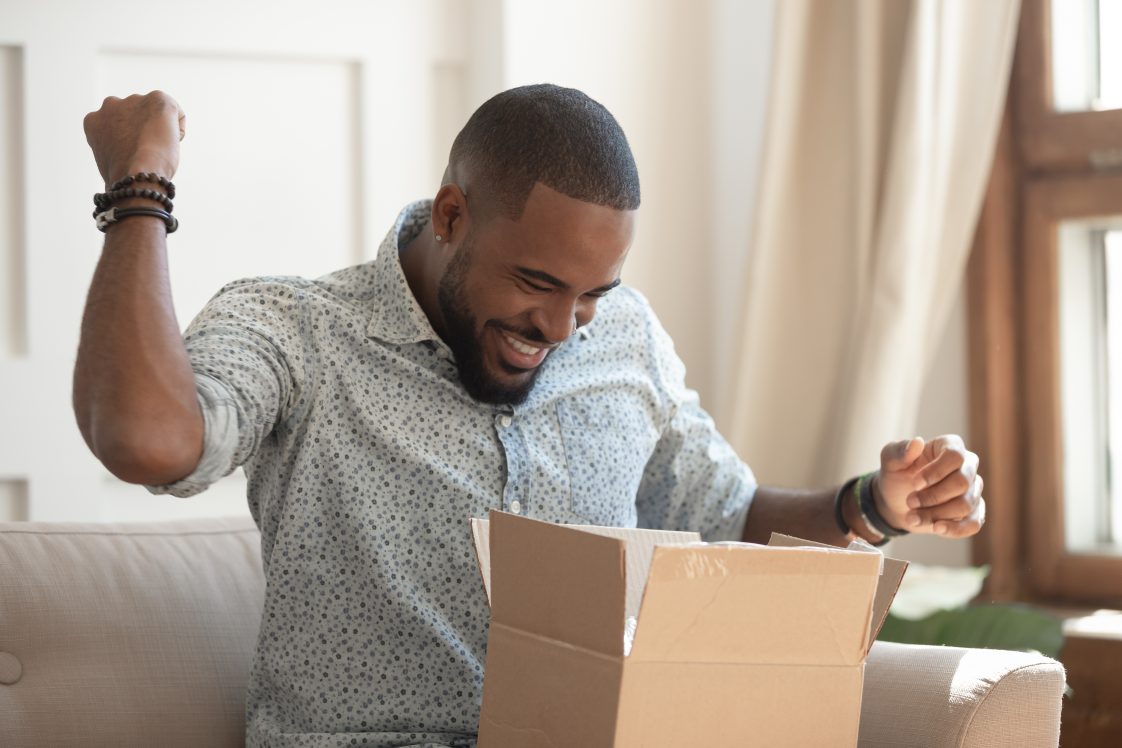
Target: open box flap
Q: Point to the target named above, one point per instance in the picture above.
(745, 603)
(557, 582)
(887, 586)
(640, 547)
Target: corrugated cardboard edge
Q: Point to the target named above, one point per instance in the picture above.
(887, 586)
(481, 537)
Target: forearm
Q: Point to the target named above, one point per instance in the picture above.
(134, 391)
(803, 514)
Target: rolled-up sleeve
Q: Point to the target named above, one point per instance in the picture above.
(248, 354)
(220, 440)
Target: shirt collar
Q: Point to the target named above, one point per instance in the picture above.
(397, 317)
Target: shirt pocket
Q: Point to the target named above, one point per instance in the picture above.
(605, 451)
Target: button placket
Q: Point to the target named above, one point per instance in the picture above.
(514, 493)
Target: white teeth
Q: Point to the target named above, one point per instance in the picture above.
(521, 347)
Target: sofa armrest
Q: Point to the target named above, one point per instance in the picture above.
(961, 698)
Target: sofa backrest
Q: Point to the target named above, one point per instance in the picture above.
(127, 634)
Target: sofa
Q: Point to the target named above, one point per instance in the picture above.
(142, 634)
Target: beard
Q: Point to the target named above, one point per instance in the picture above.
(464, 337)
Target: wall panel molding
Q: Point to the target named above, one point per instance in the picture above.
(13, 500)
(13, 277)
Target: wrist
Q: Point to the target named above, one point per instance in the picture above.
(134, 196)
(843, 511)
(894, 519)
(152, 161)
(859, 524)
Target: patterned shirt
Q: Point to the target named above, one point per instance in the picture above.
(366, 457)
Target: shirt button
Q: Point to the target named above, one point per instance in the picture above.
(505, 421)
(516, 506)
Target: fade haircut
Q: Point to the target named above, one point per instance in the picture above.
(549, 134)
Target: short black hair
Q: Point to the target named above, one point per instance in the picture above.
(545, 133)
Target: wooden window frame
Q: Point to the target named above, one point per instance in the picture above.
(1048, 167)
(1052, 141)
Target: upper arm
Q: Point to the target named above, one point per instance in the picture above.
(248, 349)
(694, 479)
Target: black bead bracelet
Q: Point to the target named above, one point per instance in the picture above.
(104, 200)
(145, 176)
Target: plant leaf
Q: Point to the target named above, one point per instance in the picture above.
(1015, 627)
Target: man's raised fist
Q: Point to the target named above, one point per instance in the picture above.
(135, 134)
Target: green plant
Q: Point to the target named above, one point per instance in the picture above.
(932, 607)
(990, 626)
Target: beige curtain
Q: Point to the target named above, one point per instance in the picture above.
(880, 134)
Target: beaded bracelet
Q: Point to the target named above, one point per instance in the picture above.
(145, 176)
(104, 200)
(113, 215)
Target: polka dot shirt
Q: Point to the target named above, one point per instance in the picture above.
(366, 457)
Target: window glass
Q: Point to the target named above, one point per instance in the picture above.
(1112, 245)
(1086, 66)
(1090, 288)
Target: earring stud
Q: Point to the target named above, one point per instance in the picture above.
(439, 238)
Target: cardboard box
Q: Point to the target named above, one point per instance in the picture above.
(735, 643)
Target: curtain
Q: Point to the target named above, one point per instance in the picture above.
(880, 133)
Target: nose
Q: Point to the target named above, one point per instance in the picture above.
(558, 318)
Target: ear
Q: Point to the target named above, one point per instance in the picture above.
(450, 218)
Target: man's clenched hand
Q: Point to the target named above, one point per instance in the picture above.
(931, 488)
(136, 134)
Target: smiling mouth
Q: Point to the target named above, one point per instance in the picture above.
(521, 347)
(519, 356)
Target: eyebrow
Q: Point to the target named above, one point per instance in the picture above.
(545, 277)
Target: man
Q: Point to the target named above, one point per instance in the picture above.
(488, 358)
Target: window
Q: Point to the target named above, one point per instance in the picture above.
(1046, 307)
(1086, 68)
(1089, 279)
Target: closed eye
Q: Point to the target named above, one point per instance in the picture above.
(534, 286)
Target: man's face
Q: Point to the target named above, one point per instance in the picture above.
(515, 290)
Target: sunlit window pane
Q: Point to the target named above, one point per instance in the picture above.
(1112, 249)
(1110, 54)
(1086, 54)
(1090, 285)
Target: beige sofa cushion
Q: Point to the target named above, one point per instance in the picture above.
(129, 634)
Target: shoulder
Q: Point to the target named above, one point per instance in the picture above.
(627, 321)
(625, 317)
(347, 287)
(626, 328)
(622, 309)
